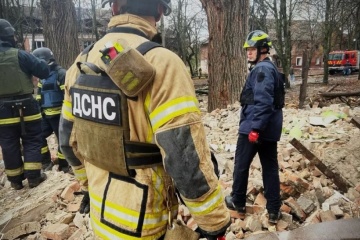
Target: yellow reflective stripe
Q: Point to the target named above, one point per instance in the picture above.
(52, 111)
(17, 119)
(32, 166)
(39, 85)
(38, 97)
(44, 150)
(128, 217)
(204, 207)
(158, 188)
(60, 156)
(172, 109)
(108, 233)
(80, 174)
(150, 133)
(67, 111)
(62, 87)
(14, 172)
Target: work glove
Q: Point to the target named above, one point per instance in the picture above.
(85, 203)
(253, 137)
(203, 234)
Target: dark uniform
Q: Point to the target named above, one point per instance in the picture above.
(262, 99)
(50, 96)
(20, 117)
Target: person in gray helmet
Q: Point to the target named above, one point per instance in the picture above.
(262, 100)
(50, 97)
(20, 118)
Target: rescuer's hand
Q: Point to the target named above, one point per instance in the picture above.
(85, 203)
(253, 137)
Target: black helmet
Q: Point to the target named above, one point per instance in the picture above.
(6, 29)
(45, 54)
(165, 3)
(258, 39)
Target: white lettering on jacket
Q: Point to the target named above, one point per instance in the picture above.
(96, 106)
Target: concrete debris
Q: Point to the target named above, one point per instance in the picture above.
(50, 211)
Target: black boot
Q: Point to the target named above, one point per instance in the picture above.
(47, 166)
(17, 185)
(85, 203)
(230, 205)
(274, 217)
(34, 182)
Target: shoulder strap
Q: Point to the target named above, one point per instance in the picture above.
(270, 62)
(147, 46)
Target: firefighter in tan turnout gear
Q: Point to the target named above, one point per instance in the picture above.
(131, 117)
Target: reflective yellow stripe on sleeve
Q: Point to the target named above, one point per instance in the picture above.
(38, 97)
(17, 119)
(80, 173)
(150, 133)
(39, 85)
(67, 111)
(172, 109)
(60, 155)
(62, 87)
(206, 206)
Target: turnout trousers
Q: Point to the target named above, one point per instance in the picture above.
(49, 125)
(245, 152)
(15, 167)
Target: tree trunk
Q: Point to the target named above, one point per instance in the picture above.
(60, 30)
(227, 23)
(304, 77)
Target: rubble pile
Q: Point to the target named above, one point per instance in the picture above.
(308, 195)
(50, 211)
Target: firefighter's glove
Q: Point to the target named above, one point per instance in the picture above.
(85, 204)
(253, 137)
(203, 234)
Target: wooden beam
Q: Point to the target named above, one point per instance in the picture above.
(340, 182)
(339, 94)
(356, 121)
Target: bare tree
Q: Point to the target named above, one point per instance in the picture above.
(183, 34)
(21, 16)
(60, 30)
(227, 23)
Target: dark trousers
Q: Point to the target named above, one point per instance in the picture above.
(11, 148)
(50, 125)
(245, 152)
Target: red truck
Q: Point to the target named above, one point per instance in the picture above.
(343, 59)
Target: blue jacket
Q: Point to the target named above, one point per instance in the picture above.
(261, 115)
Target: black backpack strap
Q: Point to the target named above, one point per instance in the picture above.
(127, 30)
(147, 46)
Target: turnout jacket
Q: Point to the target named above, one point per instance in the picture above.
(259, 112)
(165, 113)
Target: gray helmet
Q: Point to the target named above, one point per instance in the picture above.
(45, 54)
(165, 3)
(6, 29)
(257, 39)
